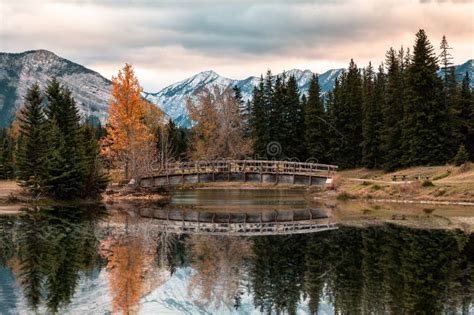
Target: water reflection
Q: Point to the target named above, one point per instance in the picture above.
(49, 256)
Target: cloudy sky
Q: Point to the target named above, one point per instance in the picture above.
(170, 40)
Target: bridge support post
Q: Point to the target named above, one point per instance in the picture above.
(198, 174)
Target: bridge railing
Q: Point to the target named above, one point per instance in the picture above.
(247, 166)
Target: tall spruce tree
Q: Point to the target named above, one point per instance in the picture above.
(66, 137)
(392, 110)
(426, 127)
(31, 152)
(95, 180)
(293, 118)
(316, 125)
(278, 109)
(373, 98)
(347, 116)
(244, 110)
(7, 146)
(258, 120)
(465, 116)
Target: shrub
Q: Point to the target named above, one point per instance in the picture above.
(427, 183)
(461, 157)
(428, 211)
(376, 187)
(343, 196)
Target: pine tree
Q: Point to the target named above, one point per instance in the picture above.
(426, 129)
(392, 110)
(95, 180)
(59, 179)
(461, 156)
(7, 146)
(66, 143)
(293, 140)
(245, 111)
(316, 125)
(447, 68)
(374, 88)
(347, 115)
(31, 152)
(465, 116)
(258, 120)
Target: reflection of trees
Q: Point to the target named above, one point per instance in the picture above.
(125, 264)
(392, 270)
(277, 272)
(171, 251)
(7, 247)
(130, 253)
(218, 263)
(53, 247)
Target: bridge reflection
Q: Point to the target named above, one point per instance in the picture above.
(239, 223)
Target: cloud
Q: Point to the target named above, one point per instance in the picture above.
(167, 39)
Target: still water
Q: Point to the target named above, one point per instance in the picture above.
(93, 260)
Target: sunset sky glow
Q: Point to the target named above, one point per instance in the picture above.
(167, 41)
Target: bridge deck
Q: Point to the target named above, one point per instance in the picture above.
(285, 172)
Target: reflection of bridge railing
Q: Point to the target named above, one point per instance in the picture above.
(241, 170)
(242, 224)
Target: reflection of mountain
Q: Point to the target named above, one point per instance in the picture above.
(8, 298)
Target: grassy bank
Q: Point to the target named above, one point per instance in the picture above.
(12, 199)
(430, 184)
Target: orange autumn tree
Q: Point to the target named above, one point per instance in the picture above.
(126, 266)
(129, 138)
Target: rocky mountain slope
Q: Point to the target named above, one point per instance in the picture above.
(19, 71)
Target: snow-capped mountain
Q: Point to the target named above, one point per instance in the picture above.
(20, 71)
(172, 99)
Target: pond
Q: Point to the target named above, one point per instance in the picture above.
(93, 260)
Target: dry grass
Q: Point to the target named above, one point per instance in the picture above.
(444, 183)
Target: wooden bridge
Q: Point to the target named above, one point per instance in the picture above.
(239, 223)
(257, 171)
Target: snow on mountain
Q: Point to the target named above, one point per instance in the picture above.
(172, 99)
(19, 71)
(92, 91)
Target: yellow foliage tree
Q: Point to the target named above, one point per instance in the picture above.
(129, 137)
(219, 127)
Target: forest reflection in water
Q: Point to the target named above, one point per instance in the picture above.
(377, 270)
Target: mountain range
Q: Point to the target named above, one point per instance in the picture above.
(20, 71)
(91, 90)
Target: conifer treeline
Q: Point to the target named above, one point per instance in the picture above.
(56, 155)
(403, 114)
